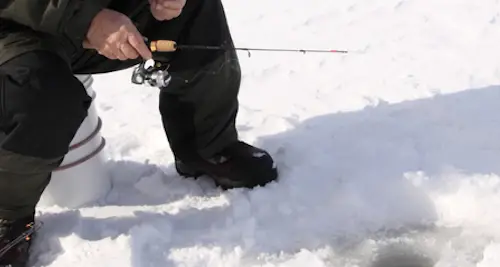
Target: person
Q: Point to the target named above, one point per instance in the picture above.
(44, 44)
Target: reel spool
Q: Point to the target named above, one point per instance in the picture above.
(155, 76)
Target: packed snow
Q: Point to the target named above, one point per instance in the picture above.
(388, 155)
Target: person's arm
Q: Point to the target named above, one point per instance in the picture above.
(65, 18)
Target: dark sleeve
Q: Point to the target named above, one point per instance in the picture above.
(65, 18)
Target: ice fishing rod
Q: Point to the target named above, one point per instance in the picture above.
(172, 46)
(158, 76)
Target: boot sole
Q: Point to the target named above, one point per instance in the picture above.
(225, 184)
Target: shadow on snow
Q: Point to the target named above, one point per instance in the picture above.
(340, 173)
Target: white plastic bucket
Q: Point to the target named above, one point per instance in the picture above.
(82, 177)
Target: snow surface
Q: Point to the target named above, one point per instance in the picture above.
(389, 156)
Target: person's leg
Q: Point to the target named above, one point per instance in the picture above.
(41, 108)
(199, 107)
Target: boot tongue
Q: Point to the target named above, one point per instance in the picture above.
(5, 225)
(10, 230)
(219, 159)
(5, 233)
(228, 153)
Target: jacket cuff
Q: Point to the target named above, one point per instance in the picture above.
(78, 25)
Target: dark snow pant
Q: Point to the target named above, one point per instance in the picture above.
(42, 104)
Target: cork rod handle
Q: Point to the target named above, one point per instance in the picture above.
(163, 46)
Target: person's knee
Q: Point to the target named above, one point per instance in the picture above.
(43, 105)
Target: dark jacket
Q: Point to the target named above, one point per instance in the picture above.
(59, 26)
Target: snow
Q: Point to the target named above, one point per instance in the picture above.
(388, 155)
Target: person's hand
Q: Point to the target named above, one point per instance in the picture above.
(114, 36)
(166, 9)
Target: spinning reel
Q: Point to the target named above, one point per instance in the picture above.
(155, 76)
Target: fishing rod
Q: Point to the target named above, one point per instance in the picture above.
(158, 76)
(172, 46)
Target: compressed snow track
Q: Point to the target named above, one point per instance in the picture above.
(389, 156)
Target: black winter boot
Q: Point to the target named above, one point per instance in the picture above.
(18, 255)
(238, 165)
